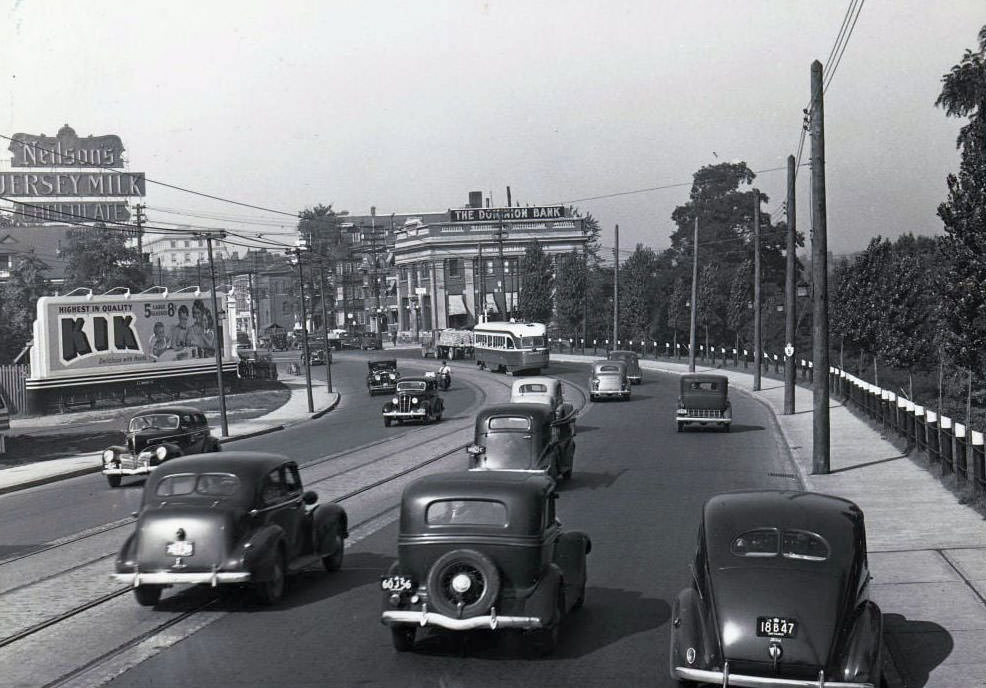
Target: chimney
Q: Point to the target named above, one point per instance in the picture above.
(475, 199)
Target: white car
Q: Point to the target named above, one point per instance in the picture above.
(541, 390)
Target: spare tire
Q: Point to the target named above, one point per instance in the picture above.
(463, 583)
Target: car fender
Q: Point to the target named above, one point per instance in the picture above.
(691, 628)
(174, 451)
(258, 551)
(861, 658)
(542, 602)
(570, 556)
(128, 553)
(329, 521)
(117, 450)
(388, 407)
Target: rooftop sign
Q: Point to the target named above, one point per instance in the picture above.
(551, 212)
(66, 149)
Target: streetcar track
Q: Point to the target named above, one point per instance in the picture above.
(123, 647)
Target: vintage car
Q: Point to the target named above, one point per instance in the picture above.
(231, 518)
(542, 390)
(318, 357)
(608, 379)
(382, 376)
(779, 596)
(523, 437)
(483, 551)
(704, 399)
(416, 399)
(633, 364)
(154, 436)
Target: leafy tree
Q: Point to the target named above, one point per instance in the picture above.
(99, 259)
(709, 300)
(638, 294)
(18, 304)
(537, 272)
(571, 285)
(738, 304)
(963, 301)
(676, 310)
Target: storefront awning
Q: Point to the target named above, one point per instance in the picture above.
(457, 305)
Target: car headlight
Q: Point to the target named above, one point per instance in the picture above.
(682, 412)
(395, 401)
(414, 400)
(376, 378)
(108, 455)
(161, 452)
(595, 384)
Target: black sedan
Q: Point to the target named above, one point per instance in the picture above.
(231, 518)
(154, 436)
(779, 596)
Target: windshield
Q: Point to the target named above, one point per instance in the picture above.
(411, 386)
(206, 484)
(157, 421)
(530, 342)
(533, 388)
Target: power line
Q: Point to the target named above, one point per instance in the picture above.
(830, 73)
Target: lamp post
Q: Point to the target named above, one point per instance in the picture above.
(299, 244)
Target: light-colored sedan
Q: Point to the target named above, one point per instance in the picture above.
(541, 390)
(609, 379)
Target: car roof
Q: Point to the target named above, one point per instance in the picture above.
(704, 377)
(539, 412)
(597, 364)
(248, 465)
(383, 362)
(478, 485)
(414, 379)
(537, 380)
(727, 515)
(166, 409)
(621, 352)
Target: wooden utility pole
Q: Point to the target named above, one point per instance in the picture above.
(304, 333)
(585, 295)
(481, 276)
(694, 311)
(819, 269)
(218, 341)
(790, 302)
(139, 221)
(325, 324)
(616, 289)
(757, 344)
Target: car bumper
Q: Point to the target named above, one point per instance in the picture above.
(725, 420)
(491, 621)
(635, 379)
(610, 392)
(419, 413)
(724, 678)
(139, 470)
(213, 578)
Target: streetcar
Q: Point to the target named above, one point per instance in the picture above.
(511, 347)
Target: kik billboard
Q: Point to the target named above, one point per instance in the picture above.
(80, 340)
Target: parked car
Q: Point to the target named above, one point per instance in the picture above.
(523, 437)
(542, 390)
(416, 399)
(704, 399)
(382, 376)
(256, 364)
(154, 436)
(483, 551)
(231, 518)
(318, 357)
(609, 379)
(779, 596)
(633, 364)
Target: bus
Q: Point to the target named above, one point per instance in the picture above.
(511, 347)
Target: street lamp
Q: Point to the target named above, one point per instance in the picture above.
(301, 244)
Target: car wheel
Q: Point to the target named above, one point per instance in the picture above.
(567, 475)
(681, 426)
(386, 422)
(333, 562)
(216, 446)
(580, 601)
(725, 427)
(270, 592)
(147, 595)
(402, 636)
(114, 481)
(463, 583)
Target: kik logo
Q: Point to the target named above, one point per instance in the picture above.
(90, 335)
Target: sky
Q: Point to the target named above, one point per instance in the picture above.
(408, 106)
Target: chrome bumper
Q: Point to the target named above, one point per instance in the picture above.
(416, 413)
(213, 578)
(704, 419)
(139, 470)
(492, 621)
(724, 678)
(610, 392)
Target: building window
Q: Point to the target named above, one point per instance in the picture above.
(489, 267)
(199, 243)
(188, 256)
(174, 244)
(187, 243)
(453, 267)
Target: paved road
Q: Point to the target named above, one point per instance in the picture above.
(637, 490)
(48, 512)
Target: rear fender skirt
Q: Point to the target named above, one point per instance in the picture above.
(860, 661)
(690, 628)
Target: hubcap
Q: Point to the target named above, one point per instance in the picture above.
(461, 583)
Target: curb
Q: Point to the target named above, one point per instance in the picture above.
(50, 479)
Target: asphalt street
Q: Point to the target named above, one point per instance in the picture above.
(637, 490)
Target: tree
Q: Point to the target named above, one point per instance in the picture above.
(709, 300)
(536, 297)
(738, 304)
(571, 284)
(963, 299)
(98, 258)
(638, 294)
(676, 308)
(18, 304)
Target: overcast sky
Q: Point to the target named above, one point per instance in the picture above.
(407, 106)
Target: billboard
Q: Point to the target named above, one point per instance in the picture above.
(552, 212)
(89, 339)
(53, 184)
(66, 149)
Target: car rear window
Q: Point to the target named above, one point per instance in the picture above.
(790, 544)
(609, 369)
(533, 389)
(707, 386)
(411, 386)
(207, 484)
(467, 512)
(510, 423)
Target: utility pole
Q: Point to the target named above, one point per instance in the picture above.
(503, 278)
(304, 332)
(819, 269)
(694, 319)
(790, 304)
(254, 304)
(757, 344)
(481, 274)
(325, 324)
(218, 343)
(139, 221)
(585, 294)
(616, 288)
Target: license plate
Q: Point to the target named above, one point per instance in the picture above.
(776, 627)
(396, 583)
(182, 548)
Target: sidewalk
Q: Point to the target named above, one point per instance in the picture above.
(293, 411)
(927, 552)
